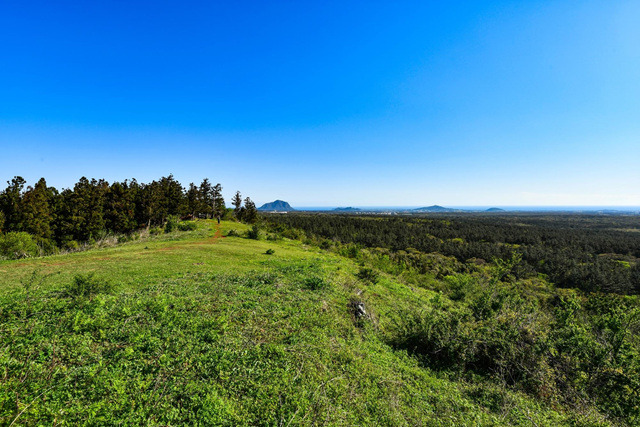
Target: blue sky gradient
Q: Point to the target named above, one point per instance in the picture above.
(330, 103)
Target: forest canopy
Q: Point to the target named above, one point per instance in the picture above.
(587, 252)
(62, 218)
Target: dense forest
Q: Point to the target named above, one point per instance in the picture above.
(92, 208)
(587, 252)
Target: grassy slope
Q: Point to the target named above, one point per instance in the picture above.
(208, 330)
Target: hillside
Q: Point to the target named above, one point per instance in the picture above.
(197, 328)
(276, 206)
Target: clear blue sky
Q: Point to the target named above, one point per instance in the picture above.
(329, 103)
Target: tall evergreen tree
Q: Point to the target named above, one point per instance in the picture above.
(10, 203)
(193, 199)
(65, 222)
(237, 205)
(163, 198)
(87, 208)
(172, 196)
(119, 208)
(218, 207)
(250, 213)
(206, 198)
(35, 211)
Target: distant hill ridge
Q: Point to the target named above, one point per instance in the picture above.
(436, 208)
(277, 206)
(348, 209)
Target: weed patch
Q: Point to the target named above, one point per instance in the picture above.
(86, 286)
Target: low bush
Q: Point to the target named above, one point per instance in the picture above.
(254, 232)
(350, 251)
(187, 226)
(47, 246)
(171, 225)
(124, 238)
(459, 285)
(16, 245)
(325, 244)
(579, 352)
(86, 286)
(368, 275)
(71, 245)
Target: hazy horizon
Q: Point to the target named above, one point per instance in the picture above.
(480, 208)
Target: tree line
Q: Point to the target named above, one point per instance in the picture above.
(591, 253)
(94, 207)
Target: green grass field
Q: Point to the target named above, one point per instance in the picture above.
(194, 328)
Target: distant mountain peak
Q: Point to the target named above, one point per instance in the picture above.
(276, 206)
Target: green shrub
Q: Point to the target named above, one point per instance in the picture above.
(187, 226)
(292, 233)
(155, 230)
(440, 335)
(86, 286)
(350, 251)
(71, 245)
(124, 238)
(270, 251)
(47, 246)
(16, 245)
(254, 232)
(171, 225)
(459, 285)
(232, 233)
(326, 244)
(368, 275)
(497, 336)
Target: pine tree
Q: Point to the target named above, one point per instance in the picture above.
(119, 209)
(64, 224)
(237, 203)
(250, 213)
(10, 203)
(206, 198)
(193, 199)
(35, 211)
(88, 208)
(163, 198)
(173, 200)
(218, 206)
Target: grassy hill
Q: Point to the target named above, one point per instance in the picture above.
(196, 328)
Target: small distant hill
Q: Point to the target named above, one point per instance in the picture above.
(349, 209)
(495, 210)
(276, 206)
(436, 208)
